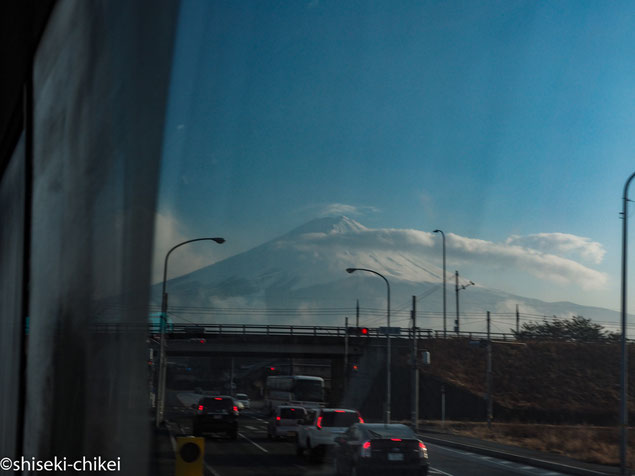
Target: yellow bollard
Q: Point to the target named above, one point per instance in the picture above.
(190, 453)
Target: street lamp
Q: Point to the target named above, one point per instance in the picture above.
(444, 305)
(164, 314)
(352, 270)
(458, 288)
(623, 343)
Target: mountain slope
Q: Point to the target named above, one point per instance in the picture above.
(302, 274)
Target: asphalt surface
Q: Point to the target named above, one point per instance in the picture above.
(253, 454)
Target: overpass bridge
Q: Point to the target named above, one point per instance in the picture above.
(271, 341)
(332, 345)
(293, 341)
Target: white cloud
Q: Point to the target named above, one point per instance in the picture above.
(425, 247)
(383, 239)
(543, 265)
(561, 243)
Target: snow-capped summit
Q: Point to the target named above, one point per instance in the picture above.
(338, 224)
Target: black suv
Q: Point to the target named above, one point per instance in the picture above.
(216, 415)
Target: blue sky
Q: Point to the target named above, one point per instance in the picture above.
(487, 119)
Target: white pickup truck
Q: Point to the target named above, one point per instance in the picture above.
(321, 427)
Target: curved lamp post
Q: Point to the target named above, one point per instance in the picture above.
(352, 270)
(444, 305)
(624, 369)
(164, 314)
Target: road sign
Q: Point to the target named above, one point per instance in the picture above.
(393, 331)
(189, 456)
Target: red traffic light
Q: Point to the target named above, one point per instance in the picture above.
(364, 331)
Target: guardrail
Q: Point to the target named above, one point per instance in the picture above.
(196, 330)
(184, 331)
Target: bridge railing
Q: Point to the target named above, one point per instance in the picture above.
(201, 330)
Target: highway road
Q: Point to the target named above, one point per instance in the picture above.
(252, 454)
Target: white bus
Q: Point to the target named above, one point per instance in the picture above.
(302, 390)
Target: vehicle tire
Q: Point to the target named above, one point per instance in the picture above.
(299, 451)
(233, 434)
(196, 430)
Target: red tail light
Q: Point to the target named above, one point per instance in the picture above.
(217, 398)
(395, 439)
(278, 418)
(361, 420)
(319, 422)
(340, 411)
(365, 451)
(423, 451)
(235, 408)
(200, 408)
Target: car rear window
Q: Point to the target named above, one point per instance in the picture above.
(292, 413)
(339, 419)
(217, 403)
(391, 432)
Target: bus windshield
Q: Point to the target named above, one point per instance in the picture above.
(309, 390)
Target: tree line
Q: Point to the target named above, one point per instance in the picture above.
(576, 329)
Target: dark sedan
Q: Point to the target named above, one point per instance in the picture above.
(216, 415)
(377, 448)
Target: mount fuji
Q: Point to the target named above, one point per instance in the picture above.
(300, 278)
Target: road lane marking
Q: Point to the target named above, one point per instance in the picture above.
(251, 428)
(210, 469)
(438, 471)
(253, 443)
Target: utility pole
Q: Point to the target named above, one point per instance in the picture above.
(456, 289)
(231, 378)
(415, 369)
(443, 406)
(517, 320)
(489, 374)
(345, 354)
(357, 314)
(445, 334)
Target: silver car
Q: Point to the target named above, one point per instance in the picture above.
(285, 421)
(243, 399)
